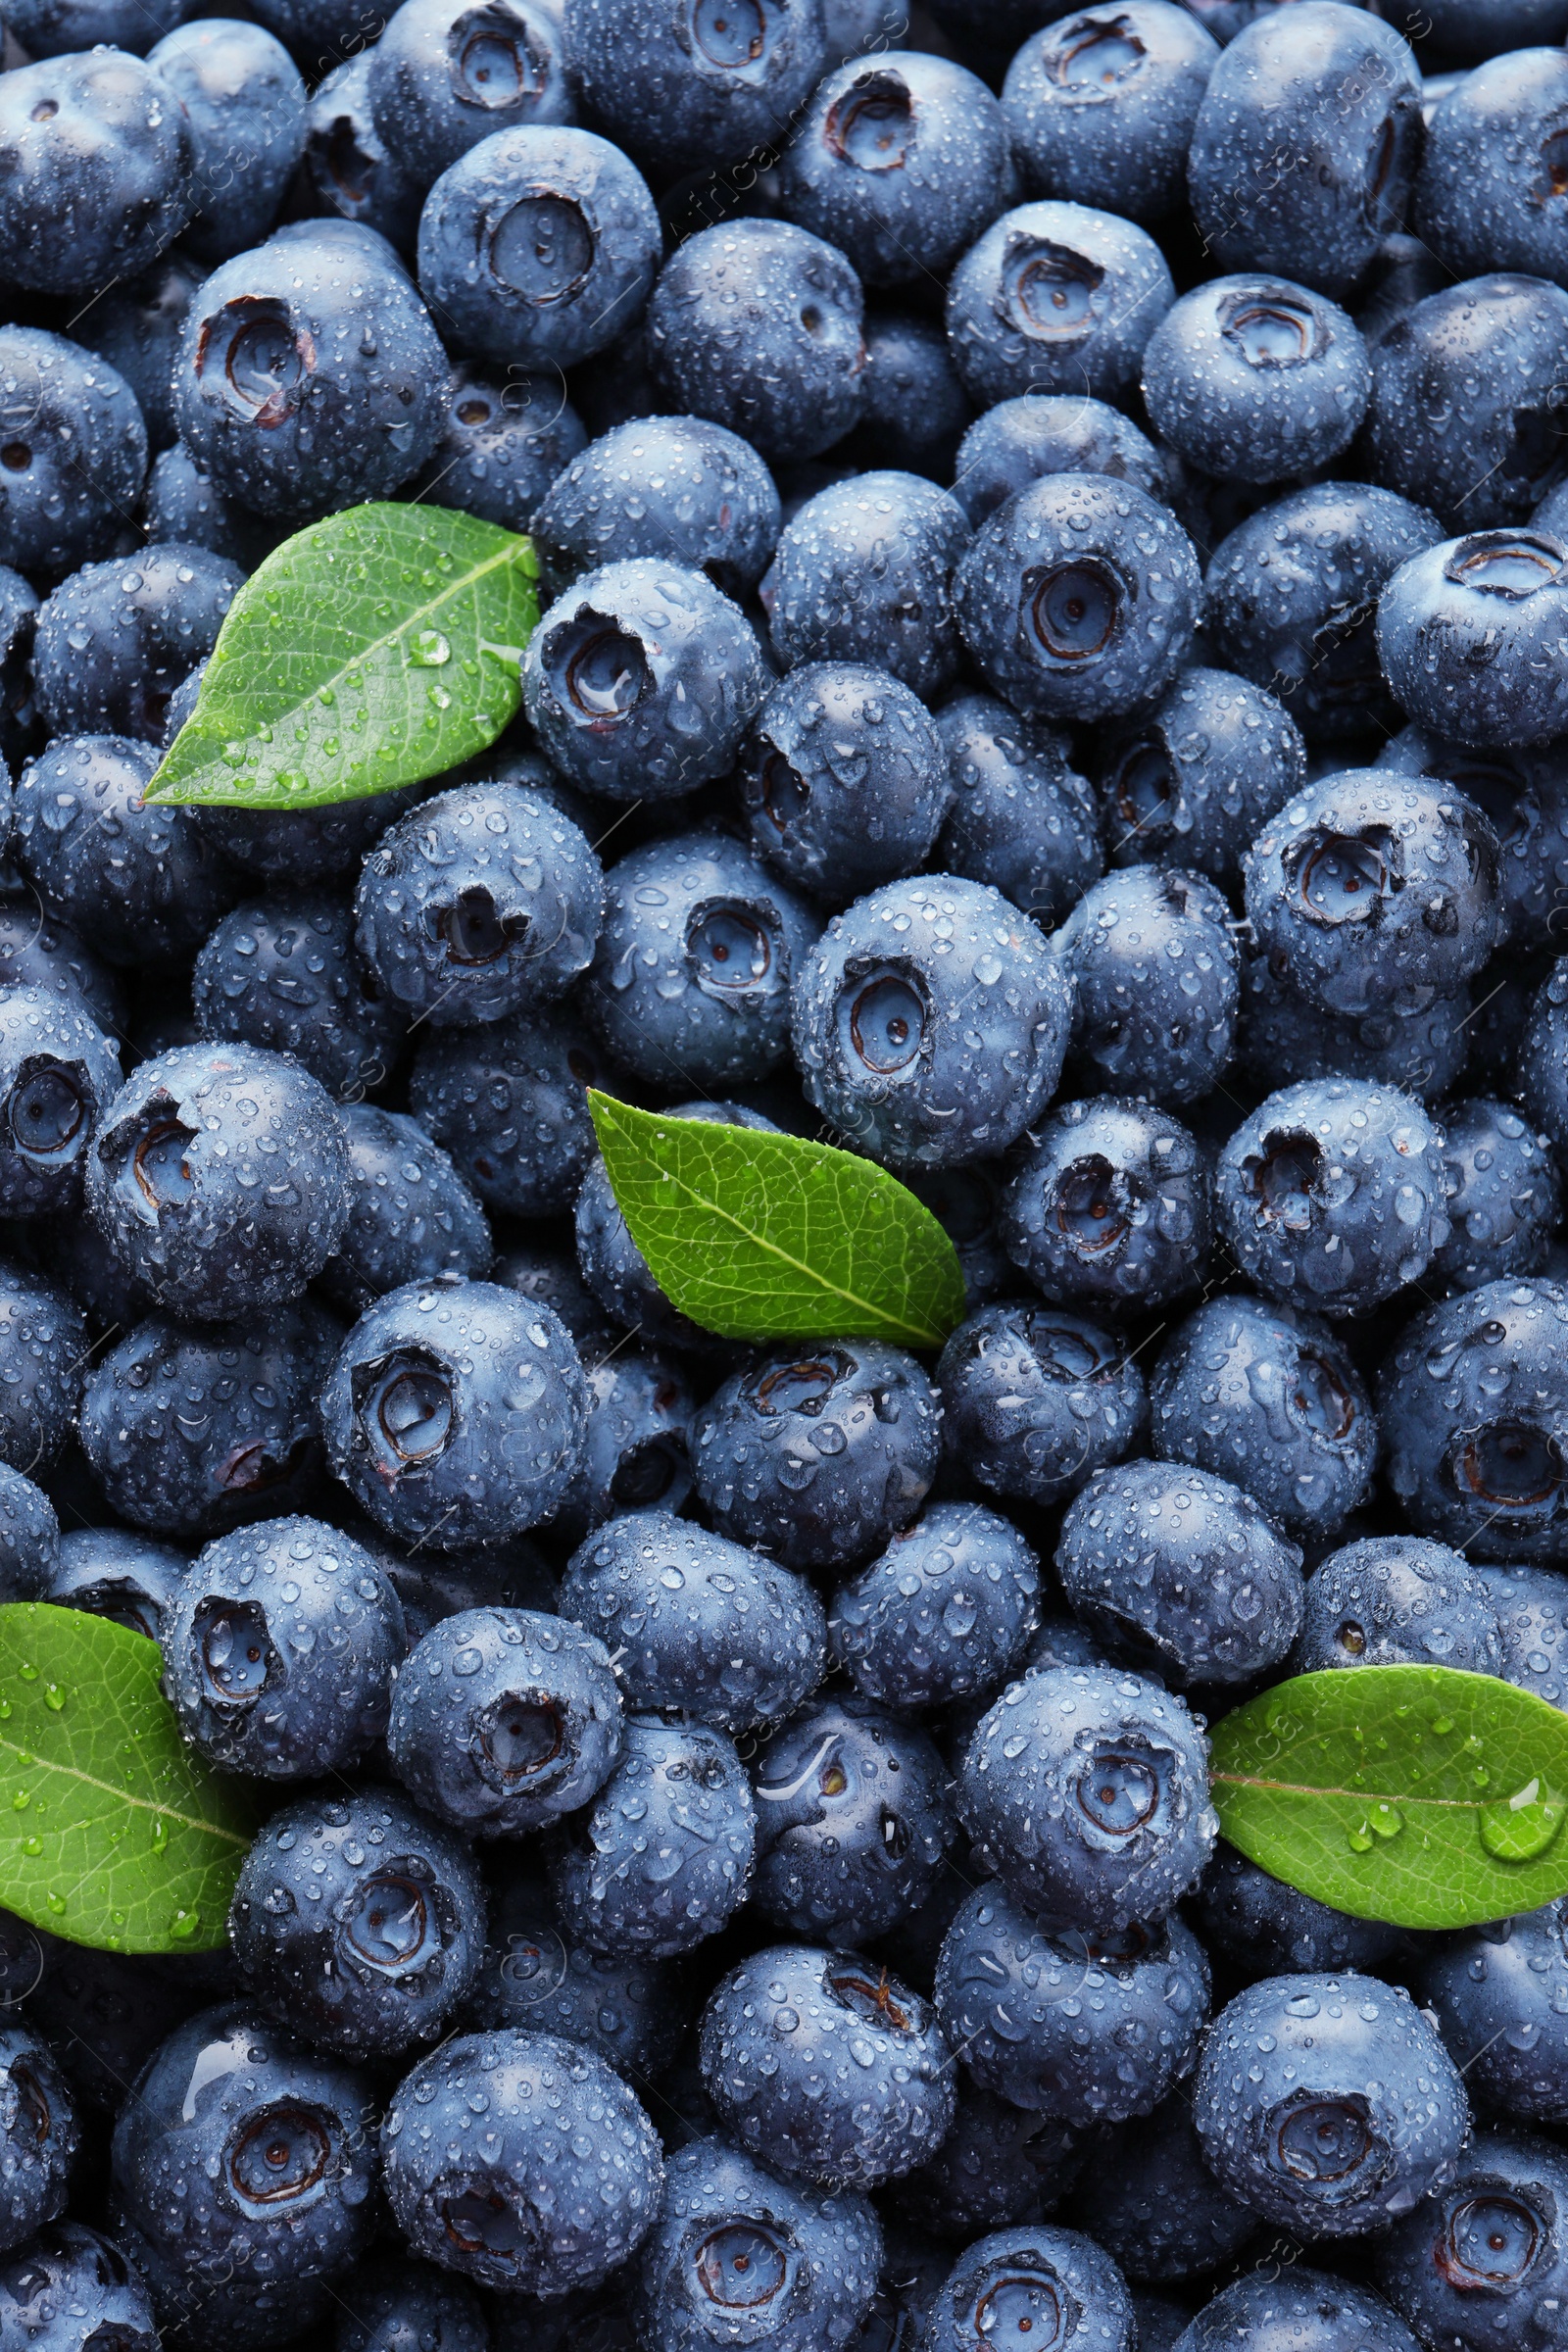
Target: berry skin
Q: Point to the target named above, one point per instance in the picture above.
(1055, 298)
(1393, 1600)
(1498, 1993)
(116, 639)
(1086, 1789)
(1026, 2278)
(677, 489)
(189, 1431)
(439, 82)
(1078, 599)
(1328, 2104)
(845, 779)
(1266, 1928)
(863, 572)
(1038, 433)
(1020, 816)
(740, 2255)
(948, 1609)
(1108, 1209)
(412, 1218)
(359, 1920)
(1085, 2028)
(245, 102)
(1506, 1202)
(38, 2135)
(1192, 783)
(1271, 1400)
(388, 2304)
(503, 1720)
(1153, 958)
(1154, 2206)
(220, 1175)
(1106, 115)
(508, 1103)
(481, 903)
(300, 847)
(853, 1823)
(757, 325)
(261, 2175)
(683, 93)
(818, 1456)
(914, 406)
(691, 979)
(1463, 632)
(95, 168)
(930, 1022)
(824, 2066)
(454, 1414)
(1274, 2310)
(30, 1542)
(57, 1075)
(1157, 1556)
(999, 2165)
(1334, 1194)
(1473, 1405)
(506, 438)
(84, 449)
(1282, 1037)
(1256, 378)
(346, 164)
(76, 2285)
(280, 973)
(281, 1646)
(696, 1622)
(521, 2162)
(112, 1572)
(640, 679)
(636, 1445)
(663, 1857)
(1036, 1399)
(1474, 2266)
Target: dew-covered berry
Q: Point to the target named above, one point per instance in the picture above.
(946, 1611)
(1035, 1400)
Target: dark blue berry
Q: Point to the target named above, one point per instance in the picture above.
(662, 1856)
(948, 1609)
(1034, 1399)
(678, 489)
(280, 972)
(1055, 298)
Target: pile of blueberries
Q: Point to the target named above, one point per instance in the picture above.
(1054, 676)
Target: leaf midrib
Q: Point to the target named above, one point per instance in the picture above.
(29, 1758)
(1356, 1796)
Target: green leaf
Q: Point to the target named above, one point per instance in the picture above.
(112, 1830)
(769, 1237)
(1416, 1794)
(376, 648)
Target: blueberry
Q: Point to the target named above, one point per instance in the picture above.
(1393, 1600)
(308, 848)
(1086, 1789)
(75, 454)
(914, 407)
(96, 171)
(43, 1343)
(190, 1431)
(1328, 2104)
(249, 2313)
(1474, 1410)
(844, 777)
(999, 2165)
(163, 890)
(58, 1076)
(917, 1039)
(1152, 956)
(640, 679)
(1523, 793)
(757, 325)
(1345, 94)
(221, 1176)
(676, 489)
(1101, 111)
(1256, 378)
(510, 1103)
(55, 28)
(1282, 1036)
(508, 436)
(1490, 146)
(635, 1442)
(1489, 346)
(503, 1719)
(481, 903)
(1333, 1195)
(1461, 631)
(243, 2157)
(538, 246)
(275, 394)
(696, 1622)
(38, 951)
(1182, 1569)
(1154, 2206)
(136, 328)
(1108, 1209)
(740, 2255)
(412, 1217)
(863, 571)
(245, 102)
(614, 1268)
(1266, 1928)
(1531, 1606)
(1275, 2309)
(1078, 599)
(389, 2303)
(1020, 816)
(548, 1276)
(1033, 2282)
(691, 979)
(186, 510)
(29, 1542)
(1016, 442)
(279, 1648)
(825, 2066)
(38, 2136)
(1507, 1200)
(348, 165)
(19, 612)
(1475, 2265)
(548, 2183)
(852, 1822)
(946, 1611)
(899, 161)
(1291, 594)
(1270, 1398)
(453, 1414)
(818, 1455)
(662, 1856)
(1035, 1400)
(683, 88)
(1191, 782)
(445, 76)
(1055, 298)
(1161, 2320)
(280, 973)
(74, 2285)
(110, 1572)
(632, 2012)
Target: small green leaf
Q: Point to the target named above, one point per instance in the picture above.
(112, 1830)
(769, 1237)
(376, 648)
(1416, 1794)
